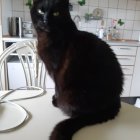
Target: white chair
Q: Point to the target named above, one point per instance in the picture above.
(34, 69)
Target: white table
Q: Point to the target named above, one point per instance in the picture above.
(44, 116)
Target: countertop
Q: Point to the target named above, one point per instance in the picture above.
(16, 39)
(112, 42)
(44, 116)
(124, 43)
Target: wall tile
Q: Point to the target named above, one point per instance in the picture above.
(121, 27)
(127, 34)
(91, 9)
(73, 1)
(138, 5)
(93, 3)
(108, 23)
(8, 4)
(26, 8)
(136, 25)
(74, 13)
(75, 7)
(121, 33)
(92, 24)
(121, 14)
(91, 30)
(130, 15)
(18, 5)
(99, 24)
(128, 25)
(18, 14)
(131, 4)
(135, 35)
(83, 28)
(112, 13)
(105, 12)
(83, 10)
(122, 4)
(27, 16)
(137, 15)
(103, 3)
(83, 24)
(113, 3)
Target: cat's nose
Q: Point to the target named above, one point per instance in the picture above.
(45, 19)
(42, 26)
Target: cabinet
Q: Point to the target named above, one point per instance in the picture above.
(135, 89)
(127, 58)
(13, 66)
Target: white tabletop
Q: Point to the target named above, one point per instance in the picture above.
(43, 117)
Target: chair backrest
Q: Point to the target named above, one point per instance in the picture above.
(26, 52)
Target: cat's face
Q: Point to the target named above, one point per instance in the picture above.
(45, 11)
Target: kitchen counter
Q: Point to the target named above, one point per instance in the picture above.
(16, 39)
(43, 116)
(124, 42)
(112, 42)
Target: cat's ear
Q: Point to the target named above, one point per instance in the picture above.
(64, 1)
(35, 0)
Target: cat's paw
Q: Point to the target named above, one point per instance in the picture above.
(54, 101)
(59, 133)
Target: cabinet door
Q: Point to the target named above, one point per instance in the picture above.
(127, 70)
(1, 48)
(49, 83)
(0, 10)
(135, 89)
(19, 80)
(16, 77)
(126, 56)
(124, 50)
(126, 60)
(127, 86)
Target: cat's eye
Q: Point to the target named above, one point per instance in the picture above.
(56, 14)
(40, 12)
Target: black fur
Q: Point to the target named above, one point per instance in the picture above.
(88, 78)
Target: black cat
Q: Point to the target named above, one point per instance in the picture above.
(88, 78)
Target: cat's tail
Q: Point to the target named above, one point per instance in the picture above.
(65, 129)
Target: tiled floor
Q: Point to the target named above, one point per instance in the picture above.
(137, 104)
(132, 100)
(129, 100)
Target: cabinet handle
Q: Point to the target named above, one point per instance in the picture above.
(125, 48)
(125, 68)
(124, 58)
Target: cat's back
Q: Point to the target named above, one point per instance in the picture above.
(95, 59)
(89, 45)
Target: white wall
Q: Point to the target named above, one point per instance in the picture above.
(127, 10)
(16, 8)
(6, 12)
(20, 9)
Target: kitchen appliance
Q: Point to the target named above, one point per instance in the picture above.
(27, 29)
(15, 26)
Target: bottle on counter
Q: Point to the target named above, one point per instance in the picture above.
(101, 33)
(101, 30)
(109, 35)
